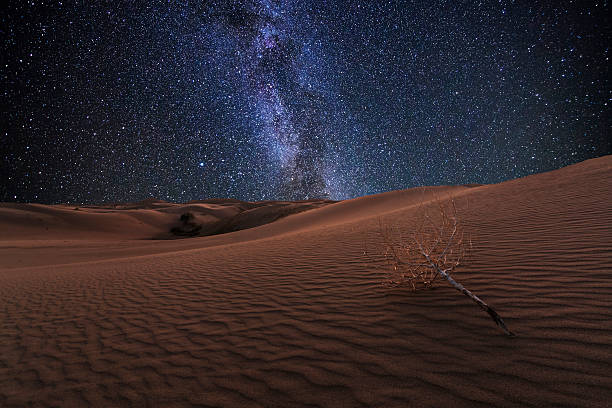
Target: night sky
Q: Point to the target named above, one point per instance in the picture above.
(257, 100)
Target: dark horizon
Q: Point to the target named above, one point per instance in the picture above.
(261, 100)
(233, 199)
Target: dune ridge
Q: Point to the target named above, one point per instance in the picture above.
(291, 314)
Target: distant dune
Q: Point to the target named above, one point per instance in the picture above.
(148, 219)
(272, 304)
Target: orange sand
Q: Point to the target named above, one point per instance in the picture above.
(95, 312)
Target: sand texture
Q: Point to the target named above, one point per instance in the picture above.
(98, 307)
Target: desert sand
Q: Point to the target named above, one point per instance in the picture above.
(273, 304)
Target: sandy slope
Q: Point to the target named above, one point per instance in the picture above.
(287, 313)
(61, 234)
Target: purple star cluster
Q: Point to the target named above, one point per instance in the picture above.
(279, 61)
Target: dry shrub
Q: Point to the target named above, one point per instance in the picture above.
(440, 235)
(430, 253)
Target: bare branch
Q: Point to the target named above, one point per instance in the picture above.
(420, 262)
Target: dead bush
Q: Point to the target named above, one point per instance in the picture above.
(429, 254)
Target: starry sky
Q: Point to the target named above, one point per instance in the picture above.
(263, 99)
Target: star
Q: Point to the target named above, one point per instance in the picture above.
(295, 99)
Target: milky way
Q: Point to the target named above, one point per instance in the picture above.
(278, 64)
(295, 99)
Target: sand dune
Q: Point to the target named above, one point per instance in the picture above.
(286, 312)
(149, 219)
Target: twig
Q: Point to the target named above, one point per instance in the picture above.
(496, 317)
